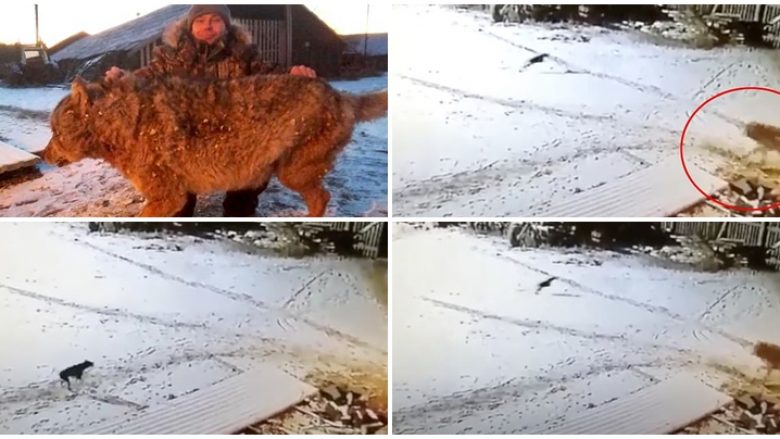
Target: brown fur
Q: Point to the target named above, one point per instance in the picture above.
(770, 354)
(767, 135)
(173, 136)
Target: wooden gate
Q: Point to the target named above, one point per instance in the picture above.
(768, 15)
(269, 36)
(750, 234)
(368, 236)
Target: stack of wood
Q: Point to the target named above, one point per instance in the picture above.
(751, 193)
(752, 413)
(332, 411)
(349, 409)
(754, 180)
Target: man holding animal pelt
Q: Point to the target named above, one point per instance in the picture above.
(205, 44)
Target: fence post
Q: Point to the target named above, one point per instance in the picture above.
(759, 13)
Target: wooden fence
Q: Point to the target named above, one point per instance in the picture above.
(768, 15)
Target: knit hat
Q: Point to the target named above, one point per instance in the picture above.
(198, 10)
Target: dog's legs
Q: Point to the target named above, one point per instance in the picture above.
(163, 208)
(166, 204)
(316, 198)
(305, 168)
(313, 192)
(165, 196)
(189, 207)
(242, 203)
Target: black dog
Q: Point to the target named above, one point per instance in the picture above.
(75, 371)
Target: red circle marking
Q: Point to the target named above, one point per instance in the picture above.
(682, 154)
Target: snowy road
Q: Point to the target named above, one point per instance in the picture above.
(479, 132)
(358, 182)
(163, 317)
(476, 350)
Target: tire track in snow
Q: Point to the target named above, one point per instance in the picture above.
(573, 69)
(715, 303)
(637, 304)
(238, 297)
(143, 318)
(303, 288)
(644, 88)
(537, 324)
(522, 104)
(242, 298)
(113, 312)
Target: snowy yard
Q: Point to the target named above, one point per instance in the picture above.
(477, 350)
(358, 183)
(477, 131)
(162, 316)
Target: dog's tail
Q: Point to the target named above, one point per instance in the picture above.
(370, 106)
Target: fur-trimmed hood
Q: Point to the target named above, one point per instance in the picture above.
(177, 30)
(234, 56)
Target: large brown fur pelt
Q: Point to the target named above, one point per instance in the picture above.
(174, 136)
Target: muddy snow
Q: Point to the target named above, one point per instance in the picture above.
(164, 316)
(358, 183)
(477, 350)
(478, 131)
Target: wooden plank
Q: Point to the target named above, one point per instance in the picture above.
(224, 408)
(657, 191)
(659, 409)
(12, 158)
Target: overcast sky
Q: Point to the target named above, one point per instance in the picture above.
(60, 19)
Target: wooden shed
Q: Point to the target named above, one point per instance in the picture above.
(285, 34)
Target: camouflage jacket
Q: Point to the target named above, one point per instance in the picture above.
(181, 55)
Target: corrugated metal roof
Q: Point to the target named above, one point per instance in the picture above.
(656, 191)
(659, 409)
(224, 408)
(377, 44)
(126, 36)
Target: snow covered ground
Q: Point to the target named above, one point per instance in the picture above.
(479, 132)
(477, 350)
(358, 183)
(163, 316)
(24, 115)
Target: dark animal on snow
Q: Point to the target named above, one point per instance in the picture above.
(75, 371)
(544, 284)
